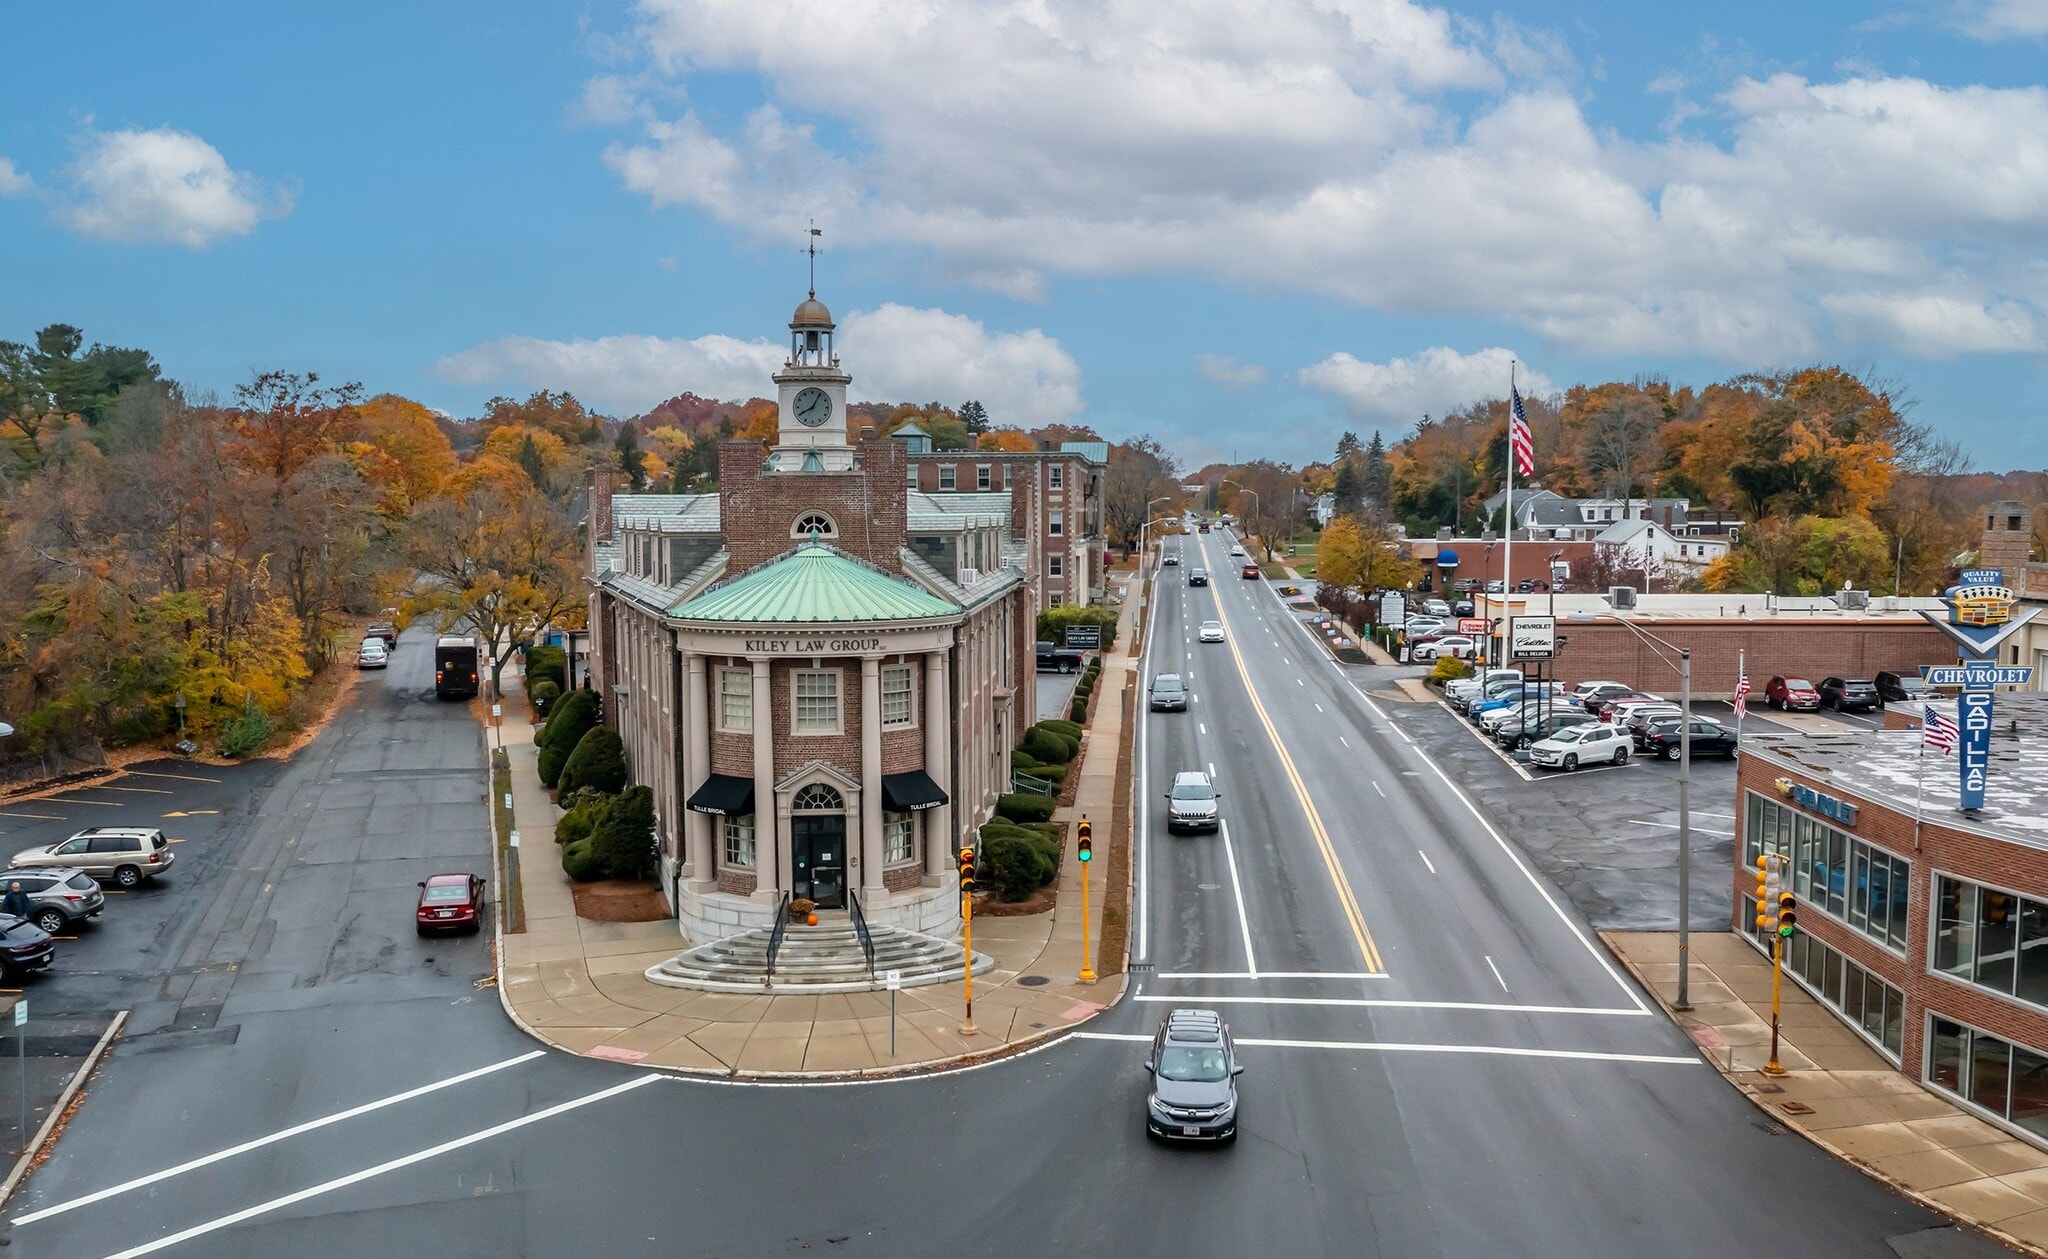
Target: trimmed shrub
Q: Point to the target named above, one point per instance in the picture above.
(1016, 865)
(1078, 710)
(550, 765)
(582, 818)
(599, 761)
(1046, 748)
(1449, 668)
(1022, 807)
(1070, 729)
(1022, 761)
(624, 840)
(1053, 773)
(575, 713)
(542, 694)
(580, 863)
(547, 663)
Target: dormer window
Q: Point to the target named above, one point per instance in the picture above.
(815, 523)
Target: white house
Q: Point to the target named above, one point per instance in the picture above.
(1648, 537)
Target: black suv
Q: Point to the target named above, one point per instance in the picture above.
(1198, 577)
(1194, 1074)
(1709, 738)
(1843, 694)
(23, 947)
(1516, 735)
(1900, 688)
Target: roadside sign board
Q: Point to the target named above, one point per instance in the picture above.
(21, 1012)
(1393, 609)
(1981, 673)
(1084, 636)
(1532, 637)
(1474, 626)
(892, 980)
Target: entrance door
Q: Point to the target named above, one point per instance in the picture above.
(817, 851)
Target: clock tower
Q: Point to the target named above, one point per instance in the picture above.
(811, 392)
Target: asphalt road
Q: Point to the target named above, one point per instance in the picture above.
(361, 1097)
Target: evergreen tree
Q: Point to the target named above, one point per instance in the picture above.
(530, 461)
(1349, 491)
(630, 458)
(1377, 477)
(1347, 444)
(975, 417)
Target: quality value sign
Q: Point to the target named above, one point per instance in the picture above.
(1532, 637)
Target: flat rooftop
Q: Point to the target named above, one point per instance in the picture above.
(1883, 609)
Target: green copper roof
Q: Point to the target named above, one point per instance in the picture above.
(814, 585)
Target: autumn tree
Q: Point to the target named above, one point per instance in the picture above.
(1140, 471)
(1803, 555)
(1014, 440)
(410, 434)
(1820, 445)
(557, 413)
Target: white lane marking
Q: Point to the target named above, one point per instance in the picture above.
(1496, 974)
(1194, 698)
(1672, 826)
(190, 778)
(154, 791)
(1426, 861)
(1704, 813)
(1212, 769)
(1244, 922)
(421, 1156)
(274, 1137)
(1388, 1003)
(1132, 1037)
(1299, 682)
(1319, 708)
(1341, 739)
(1506, 1051)
(1376, 787)
(1273, 974)
(1202, 726)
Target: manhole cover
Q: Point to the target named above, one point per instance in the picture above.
(1208, 887)
(1033, 981)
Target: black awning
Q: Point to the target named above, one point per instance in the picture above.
(907, 793)
(724, 794)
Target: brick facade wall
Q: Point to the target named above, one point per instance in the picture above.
(1962, 854)
(904, 877)
(1032, 500)
(1812, 648)
(759, 509)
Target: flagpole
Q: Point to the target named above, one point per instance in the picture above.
(1741, 676)
(1507, 554)
(1919, 779)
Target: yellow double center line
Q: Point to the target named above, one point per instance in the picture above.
(1345, 897)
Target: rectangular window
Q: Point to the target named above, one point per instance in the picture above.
(983, 477)
(1006, 476)
(910, 476)
(899, 704)
(1056, 523)
(817, 701)
(1863, 886)
(739, 841)
(1056, 477)
(2008, 1081)
(896, 845)
(1955, 928)
(946, 478)
(1863, 999)
(736, 700)
(1053, 601)
(1055, 566)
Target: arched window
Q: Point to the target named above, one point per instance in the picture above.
(817, 796)
(814, 524)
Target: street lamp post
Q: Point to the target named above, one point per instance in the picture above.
(1684, 666)
(1144, 534)
(1249, 490)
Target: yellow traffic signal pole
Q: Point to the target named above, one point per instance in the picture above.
(967, 1027)
(1087, 855)
(1777, 978)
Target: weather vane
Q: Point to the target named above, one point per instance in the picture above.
(812, 250)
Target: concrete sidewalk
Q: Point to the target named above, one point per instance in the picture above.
(1840, 1093)
(579, 986)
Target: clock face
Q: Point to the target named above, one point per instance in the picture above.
(812, 407)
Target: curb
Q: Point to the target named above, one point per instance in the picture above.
(1920, 1199)
(64, 1099)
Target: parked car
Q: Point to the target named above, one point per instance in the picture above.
(1462, 607)
(1418, 624)
(1846, 694)
(1709, 738)
(1511, 696)
(1169, 694)
(1211, 632)
(1616, 710)
(1786, 694)
(1458, 688)
(1640, 717)
(124, 854)
(1512, 715)
(1198, 577)
(1574, 746)
(1602, 704)
(58, 896)
(1587, 690)
(1449, 645)
(385, 630)
(1194, 1070)
(450, 902)
(1191, 805)
(1053, 658)
(1900, 688)
(1517, 735)
(1436, 607)
(1494, 690)
(373, 654)
(24, 947)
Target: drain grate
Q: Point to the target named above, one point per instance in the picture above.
(1033, 981)
(1771, 1128)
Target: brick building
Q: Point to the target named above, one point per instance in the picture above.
(1915, 919)
(818, 670)
(2008, 545)
(1055, 495)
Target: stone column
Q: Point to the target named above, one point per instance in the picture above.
(938, 735)
(700, 837)
(768, 843)
(871, 777)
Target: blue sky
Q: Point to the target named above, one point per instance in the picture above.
(1242, 234)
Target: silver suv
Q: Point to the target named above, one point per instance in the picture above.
(1194, 1072)
(123, 855)
(1191, 805)
(58, 897)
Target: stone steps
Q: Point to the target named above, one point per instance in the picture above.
(824, 958)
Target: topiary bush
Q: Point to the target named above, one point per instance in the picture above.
(1055, 774)
(1023, 807)
(549, 663)
(1078, 710)
(1017, 864)
(542, 694)
(1070, 729)
(1045, 747)
(575, 713)
(598, 762)
(550, 765)
(624, 840)
(1449, 668)
(583, 818)
(580, 863)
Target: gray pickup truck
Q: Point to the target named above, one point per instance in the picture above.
(1053, 658)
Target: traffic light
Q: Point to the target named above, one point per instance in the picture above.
(1085, 847)
(1787, 915)
(966, 869)
(1763, 891)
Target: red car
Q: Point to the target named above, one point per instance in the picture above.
(1784, 693)
(1251, 571)
(451, 902)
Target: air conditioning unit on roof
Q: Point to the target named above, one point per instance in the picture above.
(1852, 600)
(1622, 596)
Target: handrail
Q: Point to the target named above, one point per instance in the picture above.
(860, 928)
(775, 935)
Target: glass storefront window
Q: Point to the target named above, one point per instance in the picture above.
(1990, 1063)
(2030, 1090)
(1997, 939)
(2031, 983)
(1945, 1056)
(1860, 903)
(1955, 930)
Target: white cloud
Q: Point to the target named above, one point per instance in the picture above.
(608, 101)
(2004, 19)
(13, 182)
(1434, 382)
(1225, 370)
(1379, 152)
(895, 354)
(163, 187)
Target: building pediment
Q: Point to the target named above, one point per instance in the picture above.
(818, 771)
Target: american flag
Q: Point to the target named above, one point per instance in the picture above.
(1741, 696)
(1940, 731)
(1520, 445)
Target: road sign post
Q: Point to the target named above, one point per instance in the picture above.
(1085, 852)
(21, 1056)
(892, 980)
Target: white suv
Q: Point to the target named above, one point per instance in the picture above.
(1574, 746)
